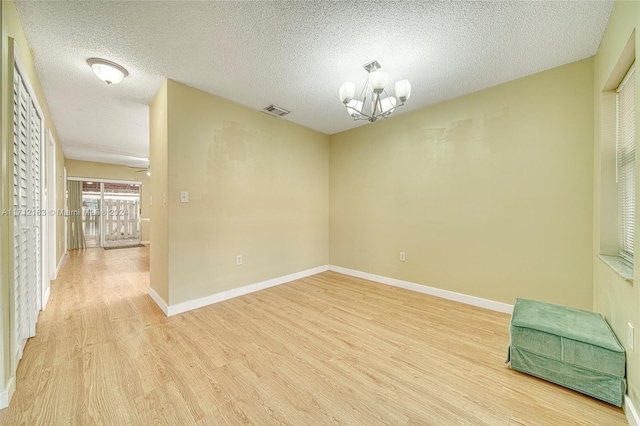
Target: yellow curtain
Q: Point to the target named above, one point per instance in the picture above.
(75, 237)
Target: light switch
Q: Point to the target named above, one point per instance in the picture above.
(184, 197)
(164, 198)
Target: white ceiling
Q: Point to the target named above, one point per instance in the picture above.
(293, 54)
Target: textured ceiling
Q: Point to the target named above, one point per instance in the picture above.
(292, 54)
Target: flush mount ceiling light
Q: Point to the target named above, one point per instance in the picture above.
(382, 105)
(107, 71)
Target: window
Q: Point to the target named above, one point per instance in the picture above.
(625, 161)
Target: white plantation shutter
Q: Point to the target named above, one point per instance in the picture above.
(22, 271)
(27, 190)
(626, 159)
(19, 137)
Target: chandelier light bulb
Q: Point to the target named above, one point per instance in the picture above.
(379, 80)
(347, 90)
(403, 90)
(387, 104)
(354, 108)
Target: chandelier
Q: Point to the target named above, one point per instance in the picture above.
(382, 105)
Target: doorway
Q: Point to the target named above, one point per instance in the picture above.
(110, 213)
(122, 223)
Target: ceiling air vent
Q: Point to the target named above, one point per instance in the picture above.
(276, 110)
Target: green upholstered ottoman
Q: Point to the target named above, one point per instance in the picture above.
(571, 347)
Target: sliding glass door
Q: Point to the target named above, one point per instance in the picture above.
(110, 213)
(122, 221)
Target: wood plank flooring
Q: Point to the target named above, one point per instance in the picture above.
(325, 350)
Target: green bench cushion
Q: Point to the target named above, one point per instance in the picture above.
(572, 323)
(572, 347)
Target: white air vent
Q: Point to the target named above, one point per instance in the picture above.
(276, 110)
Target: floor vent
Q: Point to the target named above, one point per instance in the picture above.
(276, 110)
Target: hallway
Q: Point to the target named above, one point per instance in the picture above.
(88, 340)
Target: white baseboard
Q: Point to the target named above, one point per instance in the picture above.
(145, 242)
(445, 294)
(7, 393)
(159, 301)
(63, 260)
(179, 308)
(630, 412)
(240, 291)
(45, 297)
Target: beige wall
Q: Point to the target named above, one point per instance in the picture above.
(617, 299)
(12, 30)
(489, 194)
(88, 169)
(258, 187)
(159, 250)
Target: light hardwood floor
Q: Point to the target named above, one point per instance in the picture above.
(325, 350)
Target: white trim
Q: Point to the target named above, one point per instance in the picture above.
(145, 242)
(7, 393)
(4, 399)
(445, 294)
(63, 260)
(630, 412)
(89, 179)
(159, 301)
(66, 207)
(45, 297)
(102, 218)
(52, 195)
(240, 291)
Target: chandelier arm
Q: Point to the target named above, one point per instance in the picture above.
(377, 106)
(363, 93)
(374, 103)
(364, 116)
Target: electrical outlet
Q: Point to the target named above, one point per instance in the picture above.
(402, 256)
(630, 336)
(239, 259)
(184, 197)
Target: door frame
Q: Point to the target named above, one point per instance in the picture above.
(66, 209)
(52, 218)
(102, 181)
